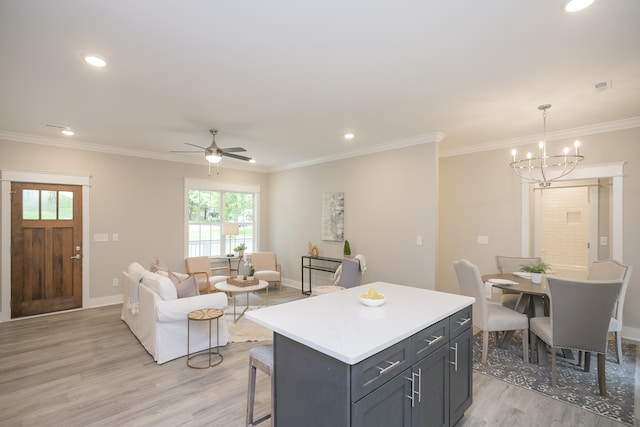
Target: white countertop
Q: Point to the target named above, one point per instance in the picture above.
(339, 325)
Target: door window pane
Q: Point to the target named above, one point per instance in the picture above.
(49, 204)
(65, 205)
(30, 204)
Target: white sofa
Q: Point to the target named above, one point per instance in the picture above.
(158, 318)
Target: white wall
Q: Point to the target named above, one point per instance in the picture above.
(140, 199)
(480, 195)
(390, 198)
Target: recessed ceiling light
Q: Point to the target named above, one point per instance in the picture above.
(68, 132)
(349, 136)
(94, 60)
(576, 5)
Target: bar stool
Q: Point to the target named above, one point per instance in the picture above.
(260, 357)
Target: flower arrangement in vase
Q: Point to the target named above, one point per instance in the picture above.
(240, 249)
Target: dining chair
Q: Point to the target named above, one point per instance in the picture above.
(489, 316)
(579, 320)
(609, 269)
(508, 265)
(205, 275)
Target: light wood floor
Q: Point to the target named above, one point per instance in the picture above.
(85, 368)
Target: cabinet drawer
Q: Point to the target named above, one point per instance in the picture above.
(430, 339)
(461, 321)
(376, 370)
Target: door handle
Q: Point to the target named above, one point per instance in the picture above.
(76, 256)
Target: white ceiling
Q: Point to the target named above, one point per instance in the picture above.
(286, 79)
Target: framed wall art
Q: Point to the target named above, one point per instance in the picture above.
(333, 217)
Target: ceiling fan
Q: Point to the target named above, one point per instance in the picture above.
(214, 154)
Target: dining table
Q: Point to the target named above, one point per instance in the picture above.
(532, 300)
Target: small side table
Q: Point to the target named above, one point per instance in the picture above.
(209, 314)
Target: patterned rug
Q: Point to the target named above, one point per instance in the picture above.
(575, 386)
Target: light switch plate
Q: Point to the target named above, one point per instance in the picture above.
(483, 240)
(100, 237)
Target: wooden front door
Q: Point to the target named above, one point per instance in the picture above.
(46, 248)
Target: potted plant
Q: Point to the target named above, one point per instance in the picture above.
(536, 270)
(240, 249)
(347, 249)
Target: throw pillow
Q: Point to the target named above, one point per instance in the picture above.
(187, 288)
(161, 286)
(176, 278)
(158, 265)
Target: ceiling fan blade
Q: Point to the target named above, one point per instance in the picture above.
(194, 145)
(185, 151)
(232, 149)
(236, 156)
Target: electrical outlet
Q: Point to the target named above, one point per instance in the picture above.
(116, 282)
(419, 240)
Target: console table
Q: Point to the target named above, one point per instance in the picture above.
(229, 259)
(318, 263)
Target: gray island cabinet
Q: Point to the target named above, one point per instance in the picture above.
(339, 363)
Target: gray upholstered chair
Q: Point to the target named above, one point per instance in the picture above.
(609, 269)
(579, 320)
(508, 265)
(347, 275)
(266, 267)
(489, 316)
(205, 275)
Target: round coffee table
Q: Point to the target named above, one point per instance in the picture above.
(209, 314)
(233, 289)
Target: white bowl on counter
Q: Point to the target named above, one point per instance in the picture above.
(373, 302)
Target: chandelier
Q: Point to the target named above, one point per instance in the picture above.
(544, 168)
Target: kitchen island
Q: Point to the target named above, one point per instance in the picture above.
(338, 362)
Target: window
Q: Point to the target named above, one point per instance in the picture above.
(47, 204)
(208, 208)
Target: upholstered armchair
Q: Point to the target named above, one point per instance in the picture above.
(347, 275)
(266, 268)
(205, 275)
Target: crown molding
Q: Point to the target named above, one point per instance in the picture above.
(433, 137)
(630, 123)
(109, 149)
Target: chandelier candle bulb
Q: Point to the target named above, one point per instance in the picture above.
(544, 168)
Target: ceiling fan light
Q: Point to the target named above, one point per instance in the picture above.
(213, 158)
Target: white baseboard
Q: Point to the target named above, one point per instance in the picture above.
(632, 334)
(99, 302)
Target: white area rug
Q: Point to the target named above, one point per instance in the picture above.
(245, 330)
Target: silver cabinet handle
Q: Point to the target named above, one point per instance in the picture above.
(412, 390)
(391, 366)
(455, 356)
(76, 256)
(463, 321)
(419, 385)
(434, 340)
